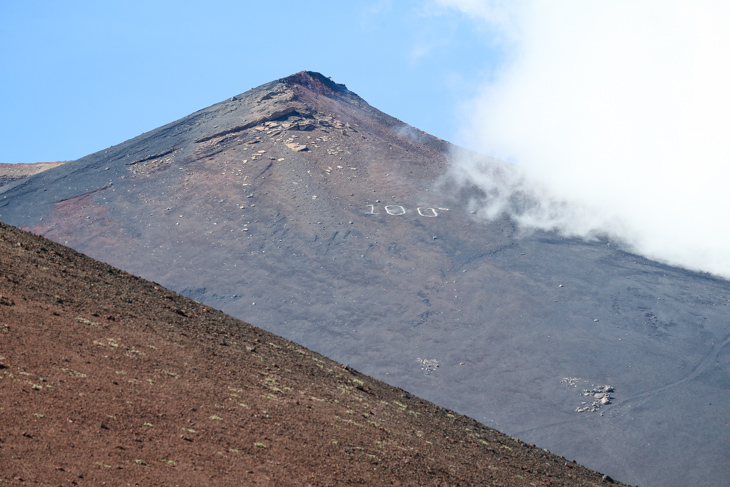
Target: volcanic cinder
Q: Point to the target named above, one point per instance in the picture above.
(298, 207)
(108, 379)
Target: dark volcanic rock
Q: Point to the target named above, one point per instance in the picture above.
(298, 207)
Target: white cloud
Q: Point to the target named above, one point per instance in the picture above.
(621, 108)
(492, 12)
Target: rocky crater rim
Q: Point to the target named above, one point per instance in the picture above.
(317, 82)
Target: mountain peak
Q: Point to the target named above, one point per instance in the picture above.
(299, 207)
(316, 82)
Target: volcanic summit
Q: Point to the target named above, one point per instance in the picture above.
(298, 207)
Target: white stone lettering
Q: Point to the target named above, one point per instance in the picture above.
(398, 210)
(429, 212)
(395, 210)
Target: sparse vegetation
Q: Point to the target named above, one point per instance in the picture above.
(87, 322)
(74, 373)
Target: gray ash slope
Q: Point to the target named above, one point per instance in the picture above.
(298, 207)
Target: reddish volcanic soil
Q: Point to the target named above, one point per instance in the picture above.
(106, 378)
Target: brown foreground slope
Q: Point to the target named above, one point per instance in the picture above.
(108, 378)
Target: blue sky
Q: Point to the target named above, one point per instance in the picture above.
(79, 76)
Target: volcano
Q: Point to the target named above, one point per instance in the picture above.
(300, 208)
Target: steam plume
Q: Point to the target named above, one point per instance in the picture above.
(617, 116)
